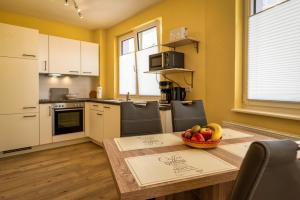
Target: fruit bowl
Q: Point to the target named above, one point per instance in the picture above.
(205, 137)
(201, 145)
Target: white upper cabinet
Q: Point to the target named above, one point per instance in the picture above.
(25, 39)
(89, 59)
(64, 56)
(43, 53)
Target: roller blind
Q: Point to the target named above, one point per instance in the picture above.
(274, 54)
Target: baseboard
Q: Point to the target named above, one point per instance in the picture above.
(263, 131)
(46, 147)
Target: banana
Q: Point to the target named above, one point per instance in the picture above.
(217, 131)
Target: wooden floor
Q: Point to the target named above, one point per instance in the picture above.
(75, 172)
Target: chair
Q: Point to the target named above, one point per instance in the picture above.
(269, 170)
(140, 120)
(185, 116)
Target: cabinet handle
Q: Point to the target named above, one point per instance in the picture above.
(50, 109)
(29, 107)
(87, 72)
(45, 65)
(27, 116)
(74, 72)
(95, 105)
(28, 55)
(106, 107)
(99, 114)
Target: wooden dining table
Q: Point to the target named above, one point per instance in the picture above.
(215, 186)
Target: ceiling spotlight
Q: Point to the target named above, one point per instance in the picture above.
(80, 15)
(78, 10)
(66, 2)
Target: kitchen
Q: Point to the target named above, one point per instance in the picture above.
(65, 77)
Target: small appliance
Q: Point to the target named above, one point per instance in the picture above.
(166, 60)
(178, 93)
(165, 92)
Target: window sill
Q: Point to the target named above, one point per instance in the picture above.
(267, 113)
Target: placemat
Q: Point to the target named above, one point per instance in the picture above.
(232, 134)
(147, 141)
(164, 167)
(238, 149)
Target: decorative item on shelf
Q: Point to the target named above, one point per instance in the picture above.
(179, 33)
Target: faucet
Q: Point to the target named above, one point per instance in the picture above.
(128, 97)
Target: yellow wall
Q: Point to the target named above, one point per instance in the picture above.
(217, 77)
(173, 13)
(47, 27)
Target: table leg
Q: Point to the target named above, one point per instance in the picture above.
(216, 192)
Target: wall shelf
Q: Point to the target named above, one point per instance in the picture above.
(172, 71)
(183, 42)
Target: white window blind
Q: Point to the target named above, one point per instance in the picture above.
(148, 83)
(274, 53)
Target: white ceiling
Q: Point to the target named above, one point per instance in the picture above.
(96, 13)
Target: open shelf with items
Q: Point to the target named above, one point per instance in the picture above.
(183, 42)
(172, 71)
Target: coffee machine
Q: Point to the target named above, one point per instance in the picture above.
(165, 92)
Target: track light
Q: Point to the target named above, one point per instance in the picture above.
(75, 6)
(66, 2)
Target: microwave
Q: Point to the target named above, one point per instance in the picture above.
(166, 60)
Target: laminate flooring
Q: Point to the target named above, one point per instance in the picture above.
(78, 171)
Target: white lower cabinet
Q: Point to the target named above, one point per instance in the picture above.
(96, 125)
(112, 121)
(45, 124)
(19, 131)
(166, 121)
(103, 121)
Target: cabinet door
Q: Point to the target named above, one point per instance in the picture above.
(111, 121)
(19, 86)
(19, 131)
(89, 59)
(64, 56)
(43, 54)
(96, 125)
(45, 124)
(18, 42)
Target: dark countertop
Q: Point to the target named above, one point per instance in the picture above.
(104, 101)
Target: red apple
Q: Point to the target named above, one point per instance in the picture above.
(207, 133)
(199, 137)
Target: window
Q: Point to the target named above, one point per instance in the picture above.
(273, 56)
(135, 49)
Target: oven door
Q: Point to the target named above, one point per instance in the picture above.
(68, 121)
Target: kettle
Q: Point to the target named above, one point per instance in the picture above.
(178, 93)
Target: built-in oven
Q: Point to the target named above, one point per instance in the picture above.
(68, 118)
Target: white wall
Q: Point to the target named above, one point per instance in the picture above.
(76, 84)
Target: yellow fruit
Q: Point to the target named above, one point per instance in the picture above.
(196, 129)
(217, 131)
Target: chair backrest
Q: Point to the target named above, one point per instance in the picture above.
(185, 116)
(140, 120)
(270, 170)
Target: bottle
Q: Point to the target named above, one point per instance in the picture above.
(99, 92)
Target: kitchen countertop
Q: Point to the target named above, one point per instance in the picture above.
(105, 101)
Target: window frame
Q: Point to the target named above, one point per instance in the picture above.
(274, 106)
(134, 34)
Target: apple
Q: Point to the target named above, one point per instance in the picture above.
(199, 137)
(194, 138)
(207, 133)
